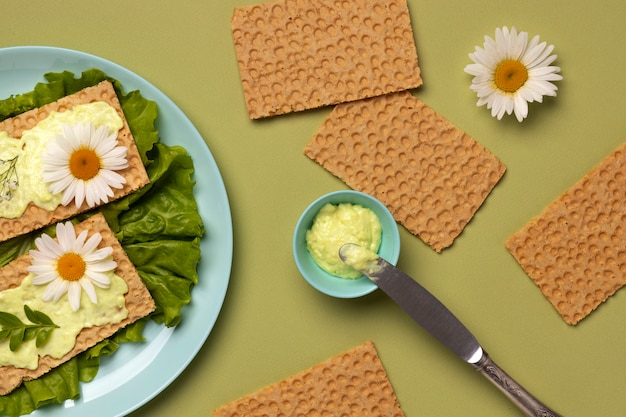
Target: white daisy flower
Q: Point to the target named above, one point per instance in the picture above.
(510, 72)
(71, 264)
(81, 163)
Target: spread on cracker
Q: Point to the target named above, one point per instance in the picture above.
(65, 158)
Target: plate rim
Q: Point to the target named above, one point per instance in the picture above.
(160, 381)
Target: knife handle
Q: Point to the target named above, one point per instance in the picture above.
(529, 405)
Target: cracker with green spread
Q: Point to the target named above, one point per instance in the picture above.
(35, 217)
(138, 302)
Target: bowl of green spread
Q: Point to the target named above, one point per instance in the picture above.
(345, 216)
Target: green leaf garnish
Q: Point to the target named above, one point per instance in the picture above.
(18, 332)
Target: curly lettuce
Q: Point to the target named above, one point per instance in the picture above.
(158, 226)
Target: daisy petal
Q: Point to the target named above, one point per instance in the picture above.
(66, 236)
(531, 50)
(98, 279)
(43, 278)
(45, 243)
(73, 295)
(103, 266)
(79, 192)
(55, 290)
(542, 71)
(113, 179)
(79, 242)
(57, 186)
(98, 255)
(89, 289)
(91, 244)
(520, 108)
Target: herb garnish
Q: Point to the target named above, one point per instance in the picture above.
(18, 332)
(8, 179)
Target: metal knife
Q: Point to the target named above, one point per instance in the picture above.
(435, 317)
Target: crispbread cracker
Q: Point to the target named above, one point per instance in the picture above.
(295, 55)
(139, 303)
(136, 176)
(353, 384)
(432, 176)
(574, 251)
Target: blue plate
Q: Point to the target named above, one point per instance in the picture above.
(138, 372)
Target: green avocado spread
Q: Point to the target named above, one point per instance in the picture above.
(111, 308)
(335, 225)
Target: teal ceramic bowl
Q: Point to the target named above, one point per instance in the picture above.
(331, 284)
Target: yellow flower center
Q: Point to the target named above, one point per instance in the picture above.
(510, 75)
(71, 266)
(84, 163)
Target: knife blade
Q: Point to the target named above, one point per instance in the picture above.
(440, 322)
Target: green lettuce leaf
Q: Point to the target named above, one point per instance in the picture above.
(159, 227)
(168, 208)
(14, 248)
(170, 287)
(52, 388)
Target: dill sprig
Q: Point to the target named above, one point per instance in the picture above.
(8, 179)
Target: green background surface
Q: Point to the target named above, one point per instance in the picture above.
(273, 324)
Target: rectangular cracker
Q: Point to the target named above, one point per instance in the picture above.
(139, 303)
(136, 177)
(574, 251)
(301, 54)
(431, 175)
(353, 384)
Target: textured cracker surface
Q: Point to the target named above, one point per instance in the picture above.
(350, 384)
(575, 250)
(431, 175)
(136, 176)
(301, 54)
(139, 303)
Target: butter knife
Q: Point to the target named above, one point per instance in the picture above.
(435, 317)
